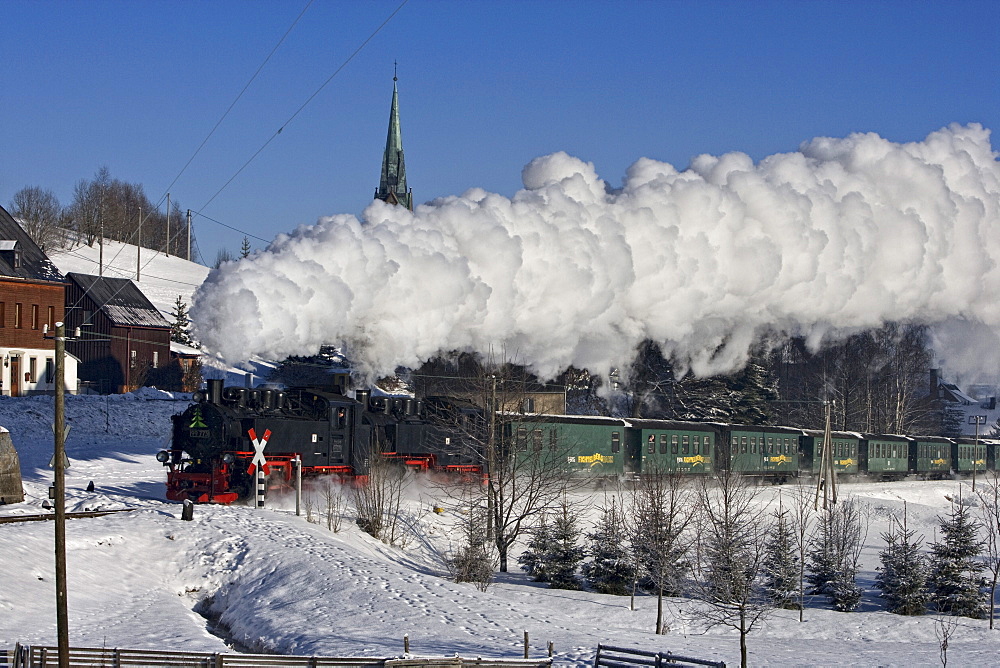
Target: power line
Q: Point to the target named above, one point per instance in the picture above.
(306, 103)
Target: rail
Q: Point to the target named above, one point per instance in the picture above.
(622, 657)
(29, 656)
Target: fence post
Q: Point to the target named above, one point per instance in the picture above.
(406, 643)
(525, 644)
(552, 648)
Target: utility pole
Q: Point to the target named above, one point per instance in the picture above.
(490, 455)
(168, 224)
(138, 247)
(189, 236)
(827, 478)
(62, 613)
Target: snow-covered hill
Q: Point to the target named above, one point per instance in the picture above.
(273, 581)
(161, 278)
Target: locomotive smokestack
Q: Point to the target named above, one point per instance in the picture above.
(214, 390)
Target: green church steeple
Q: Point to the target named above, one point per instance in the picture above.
(392, 186)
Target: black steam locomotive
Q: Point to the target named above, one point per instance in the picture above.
(220, 440)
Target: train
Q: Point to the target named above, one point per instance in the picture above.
(227, 432)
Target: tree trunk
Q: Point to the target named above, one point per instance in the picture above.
(743, 639)
(659, 611)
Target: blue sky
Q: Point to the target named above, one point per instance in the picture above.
(484, 88)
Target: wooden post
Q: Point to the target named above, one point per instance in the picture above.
(552, 649)
(525, 644)
(406, 644)
(59, 464)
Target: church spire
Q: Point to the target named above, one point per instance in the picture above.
(392, 185)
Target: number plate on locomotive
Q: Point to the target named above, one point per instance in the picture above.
(199, 433)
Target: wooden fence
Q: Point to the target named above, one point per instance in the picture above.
(621, 657)
(27, 656)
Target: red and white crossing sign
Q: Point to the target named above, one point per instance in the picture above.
(258, 455)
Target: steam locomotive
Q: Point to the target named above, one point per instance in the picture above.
(228, 431)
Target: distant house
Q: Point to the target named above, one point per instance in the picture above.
(123, 337)
(976, 416)
(32, 295)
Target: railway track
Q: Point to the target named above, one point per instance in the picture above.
(51, 516)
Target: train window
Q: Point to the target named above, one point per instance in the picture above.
(696, 444)
(616, 441)
(685, 444)
(736, 443)
(753, 444)
(663, 444)
(536, 440)
(553, 439)
(674, 441)
(522, 439)
(770, 444)
(651, 444)
(743, 445)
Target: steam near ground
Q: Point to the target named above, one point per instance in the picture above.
(842, 235)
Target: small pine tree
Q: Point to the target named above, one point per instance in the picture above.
(562, 559)
(955, 580)
(780, 570)
(833, 558)
(472, 562)
(245, 248)
(182, 323)
(532, 560)
(611, 569)
(902, 579)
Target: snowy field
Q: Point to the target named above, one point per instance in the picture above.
(274, 582)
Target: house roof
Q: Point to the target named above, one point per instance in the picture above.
(120, 300)
(34, 264)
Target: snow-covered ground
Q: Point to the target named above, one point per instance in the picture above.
(279, 583)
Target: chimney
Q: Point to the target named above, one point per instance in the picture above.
(934, 383)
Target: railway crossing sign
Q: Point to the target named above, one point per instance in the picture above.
(258, 455)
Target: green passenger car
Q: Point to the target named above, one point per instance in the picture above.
(886, 457)
(673, 447)
(931, 457)
(772, 452)
(846, 446)
(965, 451)
(588, 445)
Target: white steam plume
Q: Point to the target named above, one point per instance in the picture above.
(842, 235)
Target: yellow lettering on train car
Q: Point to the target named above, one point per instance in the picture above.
(938, 462)
(780, 459)
(596, 458)
(697, 459)
(847, 462)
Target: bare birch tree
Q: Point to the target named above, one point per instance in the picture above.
(377, 502)
(661, 510)
(730, 552)
(989, 517)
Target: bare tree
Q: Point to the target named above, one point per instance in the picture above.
(659, 516)
(377, 502)
(989, 517)
(333, 501)
(801, 516)
(38, 211)
(472, 561)
(524, 477)
(730, 553)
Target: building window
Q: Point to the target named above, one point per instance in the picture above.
(50, 370)
(156, 358)
(34, 316)
(17, 315)
(52, 317)
(32, 369)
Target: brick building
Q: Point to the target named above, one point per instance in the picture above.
(32, 295)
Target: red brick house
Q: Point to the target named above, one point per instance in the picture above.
(32, 295)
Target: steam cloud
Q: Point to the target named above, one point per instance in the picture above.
(842, 235)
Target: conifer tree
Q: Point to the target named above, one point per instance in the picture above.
(611, 569)
(179, 328)
(833, 559)
(955, 579)
(245, 248)
(532, 560)
(562, 559)
(902, 579)
(780, 570)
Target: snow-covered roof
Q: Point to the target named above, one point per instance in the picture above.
(120, 300)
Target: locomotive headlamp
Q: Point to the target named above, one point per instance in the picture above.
(228, 458)
(163, 456)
